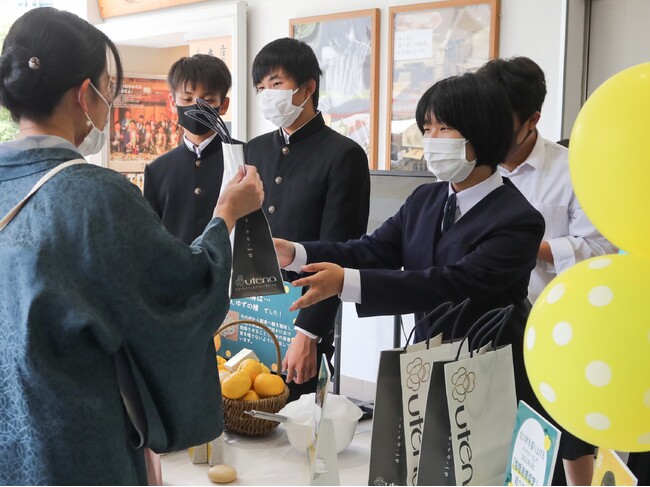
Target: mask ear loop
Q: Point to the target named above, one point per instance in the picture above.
(89, 121)
(214, 120)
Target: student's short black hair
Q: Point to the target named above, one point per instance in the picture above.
(69, 50)
(200, 69)
(476, 107)
(295, 58)
(523, 81)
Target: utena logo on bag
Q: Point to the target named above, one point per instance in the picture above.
(463, 382)
(418, 372)
(255, 281)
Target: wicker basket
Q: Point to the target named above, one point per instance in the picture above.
(233, 409)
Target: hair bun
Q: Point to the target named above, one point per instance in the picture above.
(5, 64)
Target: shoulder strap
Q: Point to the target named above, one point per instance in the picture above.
(14, 211)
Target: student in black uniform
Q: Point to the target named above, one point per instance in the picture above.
(471, 235)
(316, 181)
(183, 185)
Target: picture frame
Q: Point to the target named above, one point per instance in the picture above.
(429, 42)
(347, 47)
(142, 125)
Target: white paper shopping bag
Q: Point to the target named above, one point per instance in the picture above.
(482, 412)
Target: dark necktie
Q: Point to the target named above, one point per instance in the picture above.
(449, 216)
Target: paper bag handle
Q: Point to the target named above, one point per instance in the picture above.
(488, 320)
(446, 305)
(460, 308)
(482, 336)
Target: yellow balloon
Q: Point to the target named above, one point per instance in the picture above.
(609, 159)
(587, 351)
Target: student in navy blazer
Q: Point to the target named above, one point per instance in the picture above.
(409, 264)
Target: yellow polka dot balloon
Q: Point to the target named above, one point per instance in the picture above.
(611, 128)
(587, 351)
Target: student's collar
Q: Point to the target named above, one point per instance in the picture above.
(310, 127)
(198, 149)
(468, 198)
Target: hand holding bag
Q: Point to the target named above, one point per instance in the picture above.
(255, 267)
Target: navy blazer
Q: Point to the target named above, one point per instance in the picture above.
(487, 256)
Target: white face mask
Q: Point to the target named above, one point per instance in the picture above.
(95, 140)
(446, 159)
(278, 108)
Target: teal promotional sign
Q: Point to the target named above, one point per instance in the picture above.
(272, 311)
(533, 451)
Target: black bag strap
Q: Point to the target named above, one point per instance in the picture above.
(484, 333)
(447, 306)
(489, 319)
(459, 309)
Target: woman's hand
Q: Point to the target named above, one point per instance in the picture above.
(243, 195)
(327, 282)
(285, 250)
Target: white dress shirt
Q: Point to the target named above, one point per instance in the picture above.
(465, 201)
(544, 179)
(197, 149)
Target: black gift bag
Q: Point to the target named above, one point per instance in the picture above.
(255, 270)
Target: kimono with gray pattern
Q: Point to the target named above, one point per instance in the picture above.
(86, 267)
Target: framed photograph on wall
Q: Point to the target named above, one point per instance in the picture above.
(142, 125)
(346, 45)
(429, 42)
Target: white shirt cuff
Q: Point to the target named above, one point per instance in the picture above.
(299, 260)
(351, 291)
(305, 332)
(564, 255)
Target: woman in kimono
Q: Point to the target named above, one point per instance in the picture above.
(87, 270)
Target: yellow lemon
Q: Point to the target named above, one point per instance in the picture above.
(223, 375)
(265, 369)
(220, 360)
(217, 342)
(251, 396)
(252, 367)
(236, 385)
(267, 385)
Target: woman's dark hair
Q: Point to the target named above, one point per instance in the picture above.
(68, 50)
(523, 81)
(476, 107)
(295, 58)
(200, 69)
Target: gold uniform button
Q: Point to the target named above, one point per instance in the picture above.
(271, 209)
(198, 163)
(278, 180)
(197, 191)
(285, 150)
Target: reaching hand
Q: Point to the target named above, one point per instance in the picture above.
(243, 195)
(285, 250)
(300, 360)
(327, 282)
